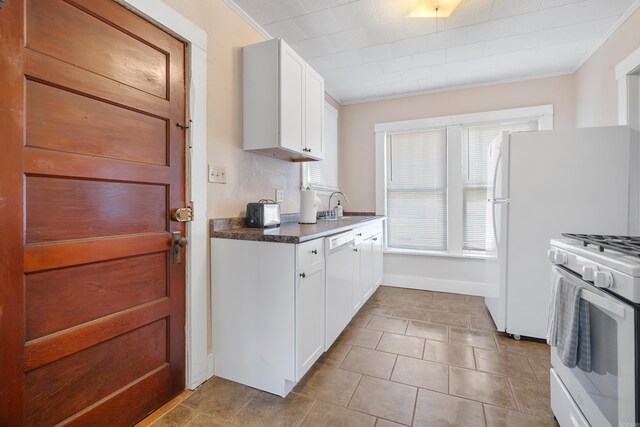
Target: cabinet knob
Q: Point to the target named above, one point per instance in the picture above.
(355, 250)
(303, 275)
(315, 252)
(359, 234)
(375, 239)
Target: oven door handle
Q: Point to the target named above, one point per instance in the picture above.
(603, 303)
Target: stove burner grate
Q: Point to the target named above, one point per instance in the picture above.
(628, 245)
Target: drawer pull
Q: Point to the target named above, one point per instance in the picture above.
(303, 275)
(315, 252)
(355, 250)
(359, 234)
(375, 239)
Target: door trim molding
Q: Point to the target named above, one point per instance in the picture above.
(627, 74)
(197, 331)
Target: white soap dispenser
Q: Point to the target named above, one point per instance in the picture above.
(339, 210)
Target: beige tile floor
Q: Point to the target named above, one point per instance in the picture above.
(407, 358)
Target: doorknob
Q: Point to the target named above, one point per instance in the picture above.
(177, 242)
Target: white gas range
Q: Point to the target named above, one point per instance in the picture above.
(607, 269)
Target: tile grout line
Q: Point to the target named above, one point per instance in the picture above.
(354, 392)
(308, 412)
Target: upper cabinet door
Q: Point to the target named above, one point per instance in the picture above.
(314, 111)
(292, 73)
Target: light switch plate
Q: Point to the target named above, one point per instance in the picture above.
(217, 174)
(279, 195)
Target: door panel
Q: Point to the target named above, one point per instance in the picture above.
(59, 299)
(291, 99)
(66, 209)
(66, 386)
(313, 112)
(76, 36)
(55, 115)
(92, 307)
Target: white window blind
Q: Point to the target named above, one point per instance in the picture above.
(478, 223)
(323, 174)
(417, 190)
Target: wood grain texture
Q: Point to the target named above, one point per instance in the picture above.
(55, 163)
(11, 212)
(40, 67)
(61, 30)
(124, 408)
(54, 347)
(60, 389)
(61, 299)
(55, 116)
(50, 256)
(69, 209)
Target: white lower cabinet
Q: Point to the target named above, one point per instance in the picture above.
(267, 320)
(362, 274)
(377, 260)
(276, 307)
(310, 321)
(368, 270)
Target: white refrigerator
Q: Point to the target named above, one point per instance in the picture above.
(547, 183)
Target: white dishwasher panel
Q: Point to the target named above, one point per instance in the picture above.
(339, 291)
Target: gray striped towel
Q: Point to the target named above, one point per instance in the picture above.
(571, 328)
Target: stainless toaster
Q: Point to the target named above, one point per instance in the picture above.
(262, 214)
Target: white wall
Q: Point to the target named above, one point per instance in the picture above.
(595, 81)
(438, 273)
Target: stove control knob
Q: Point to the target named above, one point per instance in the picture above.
(560, 258)
(551, 254)
(587, 273)
(603, 279)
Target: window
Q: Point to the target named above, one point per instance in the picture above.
(433, 179)
(323, 174)
(417, 190)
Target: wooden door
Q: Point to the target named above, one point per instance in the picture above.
(92, 308)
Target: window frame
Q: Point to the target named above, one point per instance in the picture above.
(454, 125)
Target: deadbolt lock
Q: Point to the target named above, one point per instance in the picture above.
(183, 214)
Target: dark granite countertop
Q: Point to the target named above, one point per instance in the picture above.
(288, 232)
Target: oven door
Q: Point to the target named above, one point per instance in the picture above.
(606, 395)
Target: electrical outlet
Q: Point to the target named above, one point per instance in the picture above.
(279, 195)
(217, 174)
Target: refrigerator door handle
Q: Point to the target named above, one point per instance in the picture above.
(494, 200)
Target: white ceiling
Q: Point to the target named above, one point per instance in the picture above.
(368, 49)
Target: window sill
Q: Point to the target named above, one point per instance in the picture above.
(437, 254)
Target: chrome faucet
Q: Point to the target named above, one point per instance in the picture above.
(332, 194)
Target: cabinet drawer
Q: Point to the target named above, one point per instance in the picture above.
(309, 253)
(367, 231)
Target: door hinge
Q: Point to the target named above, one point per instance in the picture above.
(183, 214)
(182, 126)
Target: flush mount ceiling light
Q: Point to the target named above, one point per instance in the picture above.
(433, 8)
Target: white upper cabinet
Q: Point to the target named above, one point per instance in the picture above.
(314, 111)
(283, 103)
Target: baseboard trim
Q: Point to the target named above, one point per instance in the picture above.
(441, 285)
(210, 366)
